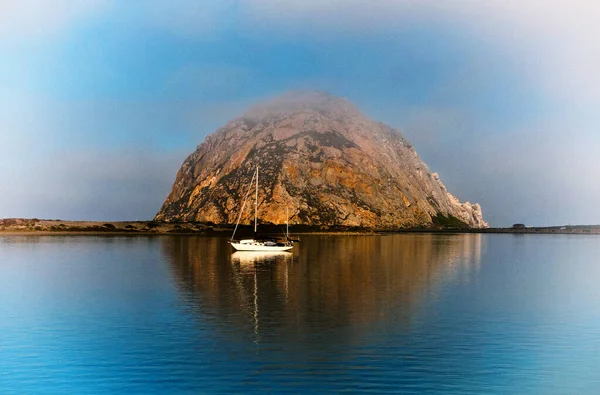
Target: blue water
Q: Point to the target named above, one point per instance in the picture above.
(410, 313)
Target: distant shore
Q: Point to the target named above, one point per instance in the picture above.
(17, 226)
(579, 230)
(21, 226)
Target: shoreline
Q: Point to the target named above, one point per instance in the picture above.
(4, 232)
(21, 227)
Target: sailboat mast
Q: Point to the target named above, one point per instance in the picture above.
(256, 205)
(287, 224)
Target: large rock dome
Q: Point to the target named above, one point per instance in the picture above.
(320, 158)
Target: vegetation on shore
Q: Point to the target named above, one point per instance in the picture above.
(443, 224)
(449, 221)
(59, 226)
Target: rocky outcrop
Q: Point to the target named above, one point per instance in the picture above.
(320, 158)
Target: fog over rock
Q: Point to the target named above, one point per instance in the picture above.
(320, 158)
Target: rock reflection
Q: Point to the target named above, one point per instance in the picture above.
(328, 283)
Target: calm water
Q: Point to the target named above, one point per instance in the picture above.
(402, 313)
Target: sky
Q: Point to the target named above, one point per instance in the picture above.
(102, 100)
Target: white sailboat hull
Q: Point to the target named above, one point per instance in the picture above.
(258, 246)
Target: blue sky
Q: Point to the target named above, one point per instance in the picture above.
(101, 101)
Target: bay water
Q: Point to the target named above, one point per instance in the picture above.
(405, 313)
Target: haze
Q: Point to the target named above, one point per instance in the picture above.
(101, 101)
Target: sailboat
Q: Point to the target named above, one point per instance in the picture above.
(255, 244)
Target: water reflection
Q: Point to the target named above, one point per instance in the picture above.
(403, 313)
(246, 258)
(327, 283)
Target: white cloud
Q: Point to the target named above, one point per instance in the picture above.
(96, 185)
(335, 16)
(191, 19)
(96, 160)
(39, 18)
(555, 41)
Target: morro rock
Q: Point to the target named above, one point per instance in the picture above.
(320, 158)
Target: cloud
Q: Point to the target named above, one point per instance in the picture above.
(540, 173)
(38, 20)
(190, 19)
(548, 175)
(126, 184)
(353, 17)
(554, 41)
(26, 19)
(62, 160)
(97, 160)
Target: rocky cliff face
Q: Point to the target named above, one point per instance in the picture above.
(320, 158)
